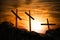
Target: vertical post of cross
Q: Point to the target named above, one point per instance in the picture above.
(16, 17)
(48, 25)
(29, 21)
(30, 17)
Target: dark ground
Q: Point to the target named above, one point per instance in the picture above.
(9, 32)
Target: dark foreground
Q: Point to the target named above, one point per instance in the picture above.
(9, 32)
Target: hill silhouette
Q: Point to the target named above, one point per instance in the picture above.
(55, 34)
(9, 32)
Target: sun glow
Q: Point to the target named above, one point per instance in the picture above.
(37, 27)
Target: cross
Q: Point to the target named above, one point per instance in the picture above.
(30, 17)
(48, 24)
(16, 14)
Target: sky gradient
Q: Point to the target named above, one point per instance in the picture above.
(40, 10)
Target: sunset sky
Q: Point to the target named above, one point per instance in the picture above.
(40, 10)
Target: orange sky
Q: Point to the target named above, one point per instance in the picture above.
(39, 10)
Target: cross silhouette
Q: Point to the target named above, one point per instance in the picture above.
(16, 14)
(30, 17)
(48, 24)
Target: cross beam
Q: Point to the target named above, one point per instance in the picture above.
(30, 17)
(48, 24)
(16, 14)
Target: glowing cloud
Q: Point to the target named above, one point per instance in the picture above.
(36, 26)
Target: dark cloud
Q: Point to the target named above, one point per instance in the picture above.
(49, 0)
(2, 9)
(55, 10)
(28, 1)
(13, 3)
(55, 15)
(6, 5)
(56, 7)
(2, 16)
(16, 3)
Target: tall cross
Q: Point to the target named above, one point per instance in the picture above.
(48, 24)
(30, 17)
(16, 14)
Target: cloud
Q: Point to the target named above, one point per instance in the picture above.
(55, 11)
(28, 1)
(55, 15)
(49, 0)
(54, 7)
(13, 3)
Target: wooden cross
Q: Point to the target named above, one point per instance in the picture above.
(48, 24)
(30, 17)
(16, 14)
